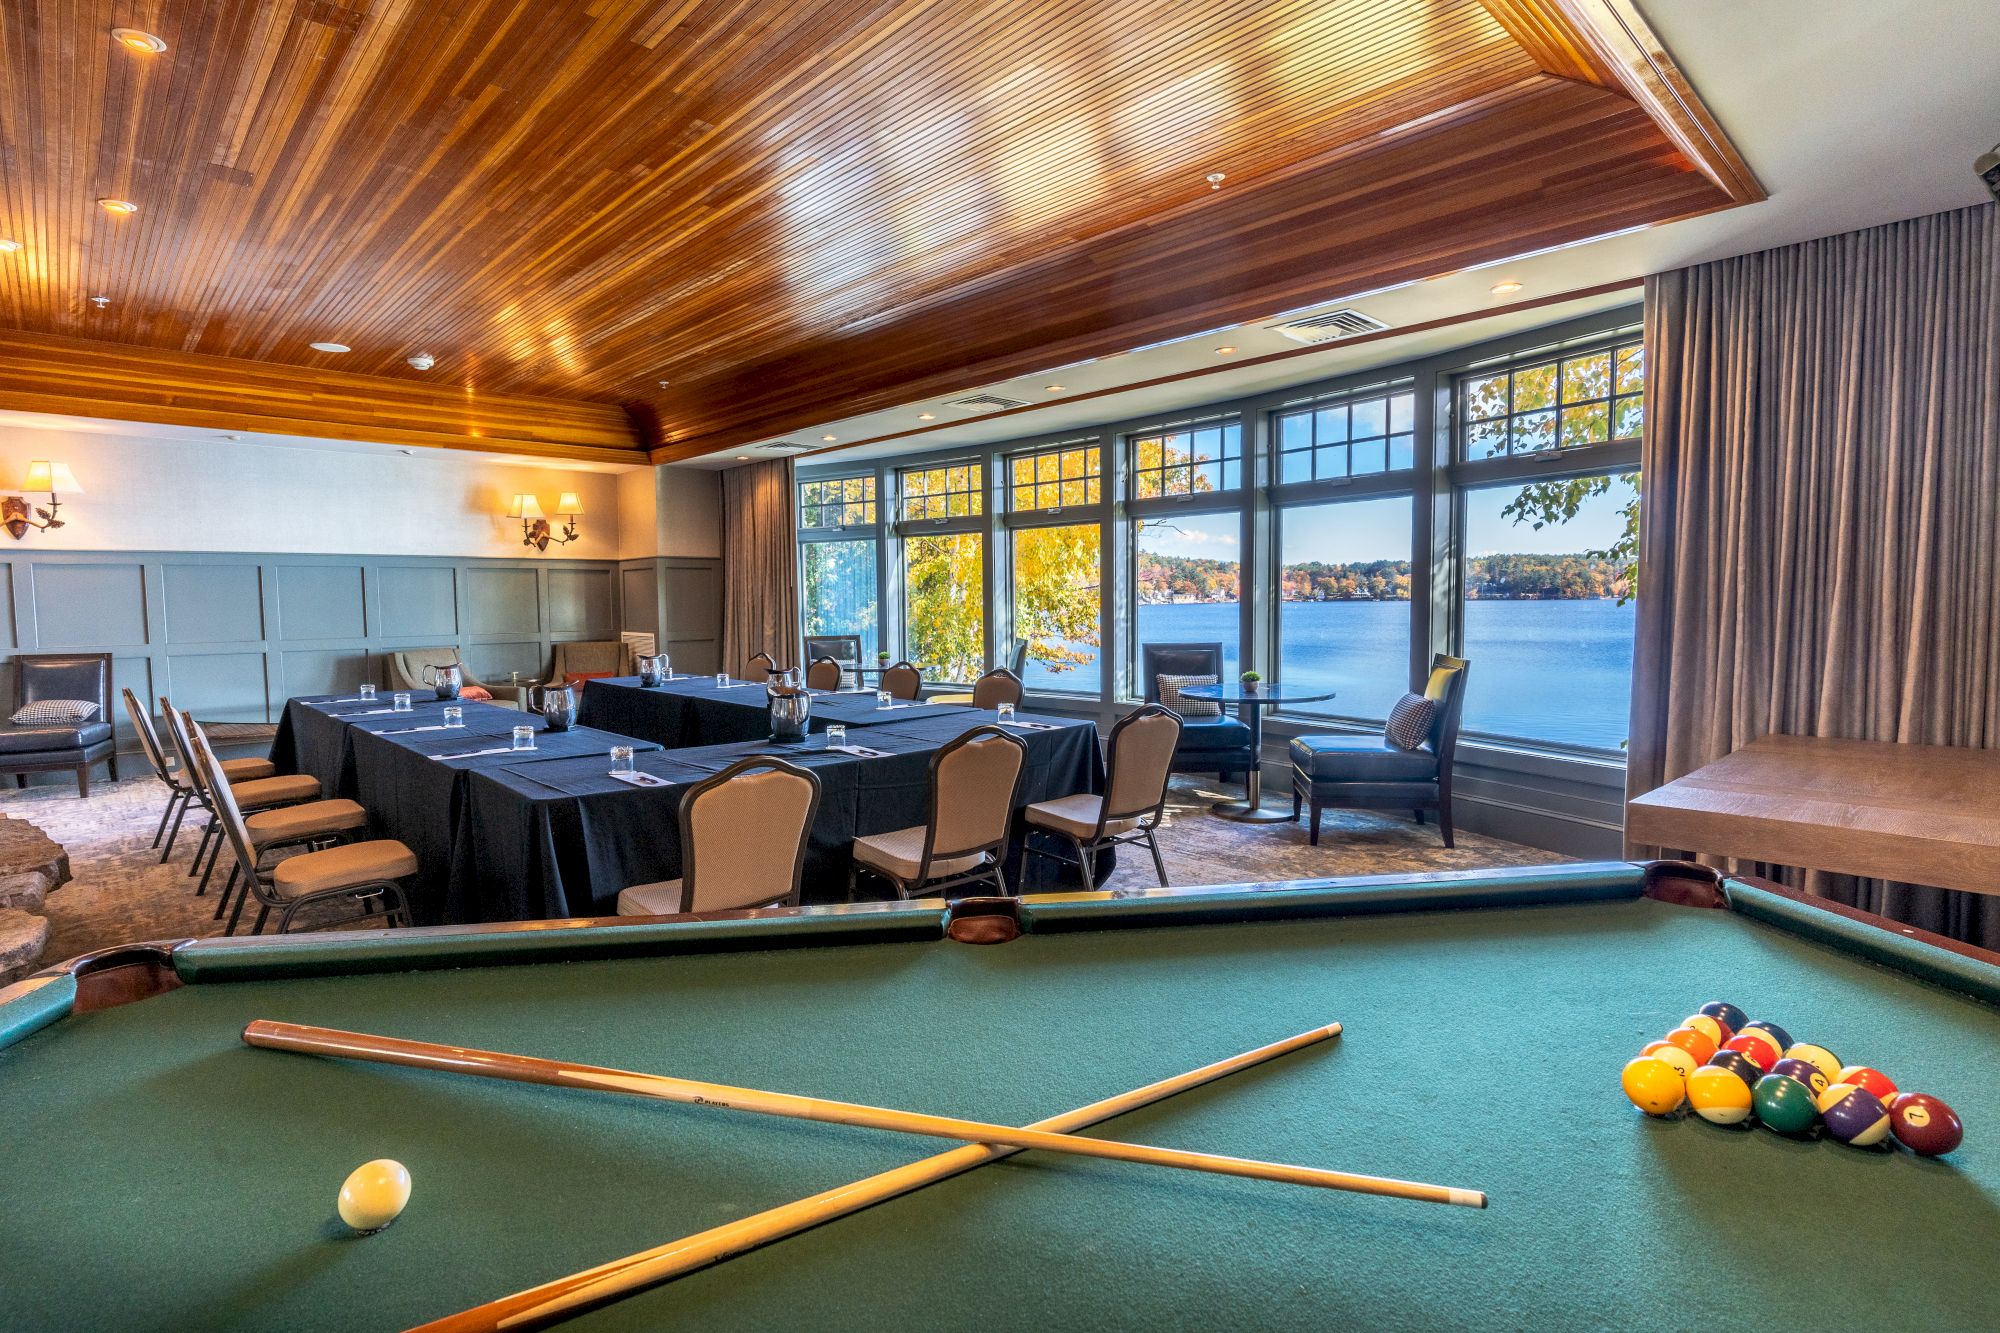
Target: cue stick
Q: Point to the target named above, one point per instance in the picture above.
(557, 1300)
(562, 1074)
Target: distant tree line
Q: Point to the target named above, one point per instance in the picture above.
(1175, 578)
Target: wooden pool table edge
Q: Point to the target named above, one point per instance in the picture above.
(128, 973)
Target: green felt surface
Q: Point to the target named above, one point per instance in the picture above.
(156, 1173)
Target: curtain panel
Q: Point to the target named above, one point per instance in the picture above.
(1821, 532)
(760, 565)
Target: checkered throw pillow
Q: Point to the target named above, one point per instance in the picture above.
(53, 712)
(1410, 721)
(1171, 696)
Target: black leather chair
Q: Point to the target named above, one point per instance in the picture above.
(1367, 771)
(1216, 744)
(48, 747)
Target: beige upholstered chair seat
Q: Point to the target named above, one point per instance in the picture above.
(304, 821)
(661, 899)
(1076, 816)
(342, 867)
(261, 792)
(902, 853)
(245, 770)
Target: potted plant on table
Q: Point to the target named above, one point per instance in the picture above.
(1251, 680)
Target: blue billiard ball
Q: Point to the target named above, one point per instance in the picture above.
(1725, 1013)
(1854, 1115)
(1778, 1034)
(1805, 1071)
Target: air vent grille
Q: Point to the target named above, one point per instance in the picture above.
(785, 447)
(986, 402)
(1329, 327)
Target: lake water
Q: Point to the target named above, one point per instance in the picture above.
(1556, 671)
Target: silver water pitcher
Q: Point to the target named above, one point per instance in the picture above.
(791, 706)
(559, 707)
(652, 669)
(447, 678)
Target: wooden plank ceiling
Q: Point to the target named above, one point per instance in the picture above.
(788, 210)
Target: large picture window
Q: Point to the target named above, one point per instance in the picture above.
(1059, 604)
(944, 604)
(1344, 604)
(1187, 578)
(1566, 402)
(1362, 436)
(840, 590)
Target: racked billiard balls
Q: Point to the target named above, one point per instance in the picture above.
(1739, 1064)
(1718, 1095)
(1708, 1027)
(1784, 1104)
(1653, 1085)
(1925, 1125)
(1779, 1037)
(1819, 1057)
(1693, 1042)
(1805, 1071)
(1755, 1047)
(1877, 1082)
(1677, 1056)
(1854, 1115)
(1723, 1012)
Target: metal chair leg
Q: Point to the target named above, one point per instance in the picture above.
(186, 800)
(263, 915)
(1083, 865)
(173, 801)
(229, 889)
(1153, 845)
(201, 848)
(236, 914)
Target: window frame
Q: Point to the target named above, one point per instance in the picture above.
(980, 490)
(1035, 515)
(1224, 497)
(874, 502)
(1370, 387)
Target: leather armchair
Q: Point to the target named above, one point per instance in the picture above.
(1367, 771)
(592, 657)
(44, 748)
(406, 672)
(1217, 744)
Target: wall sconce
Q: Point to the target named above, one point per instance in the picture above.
(46, 478)
(535, 530)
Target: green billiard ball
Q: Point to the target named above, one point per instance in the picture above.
(1784, 1104)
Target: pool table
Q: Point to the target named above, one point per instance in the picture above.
(158, 1173)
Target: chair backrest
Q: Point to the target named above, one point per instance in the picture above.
(842, 648)
(903, 681)
(406, 666)
(744, 834)
(996, 688)
(222, 801)
(85, 676)
(1447, 686)
(974, 780)
(823, 673)
(1176, 659)
(1141, 756)
(183, 746)
(593, 657)
(1017, 661)
(149, 742)
(762, 667)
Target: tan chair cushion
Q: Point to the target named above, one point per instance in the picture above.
(900, 853)
(304, 821)
(661, 899)
(342, 867)
(1076, 816)
(244, 770)
(260, 793)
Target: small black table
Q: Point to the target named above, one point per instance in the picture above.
(1251, 704)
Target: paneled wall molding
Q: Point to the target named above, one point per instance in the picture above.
(678, 600)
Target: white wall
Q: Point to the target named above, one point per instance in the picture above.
(174, 494)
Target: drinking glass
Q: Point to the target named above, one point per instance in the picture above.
(524, 738)
(621, 759)
(401, 703)
(367, 694)
(721, 679)
(454, 716)
(883, 698)
(1006, 712)
(666, 667)
(836, 736)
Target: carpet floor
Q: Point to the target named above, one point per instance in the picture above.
(122, 894)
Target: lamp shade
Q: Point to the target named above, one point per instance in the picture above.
(525, 507)
(570, 505)
(47, 477)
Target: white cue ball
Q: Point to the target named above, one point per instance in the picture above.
(374, 1195)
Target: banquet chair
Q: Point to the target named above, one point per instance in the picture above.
(763, 666)
(823, 673)
(1407, 765)
(180, 784)
(743, 842)
(359, 872)
(903, 681)
(1211, 741)
(842, 648)
(1141, 749)
(995, 688)
(963, 839)
(256, 794)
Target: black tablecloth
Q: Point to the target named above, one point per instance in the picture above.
(559, 838)
(693, 710)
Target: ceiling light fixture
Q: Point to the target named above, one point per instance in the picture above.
(927, 416)
(8, 246)
(1055, 388)
(100, 301)
(1225, 351)
(331, 347)
(422, 361)
(1507, 288)
(134, 40)
(829, 438)
(122, 207)
(1215, 179)
(742, 458)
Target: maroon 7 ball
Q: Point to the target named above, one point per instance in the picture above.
(1925, 1125)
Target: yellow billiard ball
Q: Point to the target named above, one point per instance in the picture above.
(374, 1195)
(1719, 1095)
(1654, 1086)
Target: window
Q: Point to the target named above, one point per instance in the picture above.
(1059, 604)
(1344, 604)
(1196, 460)
(944, 583)
(1354, 437)
(1055, 478)
(840, 590)
(953, 490)
(1568, 402)
(844, 502)
(1548, 615)
(1188, 582)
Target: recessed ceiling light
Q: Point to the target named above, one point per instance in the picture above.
(742, 458)
(829, 438)
(1506, 288)
(1055, 388)
(331, 347)
(100, 301)
(7, 246)
(122, 207)
(665, 383)
(1215, 179)
(927, 416)
(134, 40)
(1225, 351)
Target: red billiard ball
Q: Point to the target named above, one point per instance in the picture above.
(1757, 1047)
(1877, 1082)
(1925, 1125)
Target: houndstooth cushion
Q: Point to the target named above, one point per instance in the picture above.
(53, 712)
(1409, 724)
(1171, 696)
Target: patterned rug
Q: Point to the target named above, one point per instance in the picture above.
(122, 894)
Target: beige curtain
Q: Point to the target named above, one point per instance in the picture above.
(1822, 517)
(760, 570)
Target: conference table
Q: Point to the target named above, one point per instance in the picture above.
(694, 710)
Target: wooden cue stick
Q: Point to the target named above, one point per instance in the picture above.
(562, 1074)
(553, 1301)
